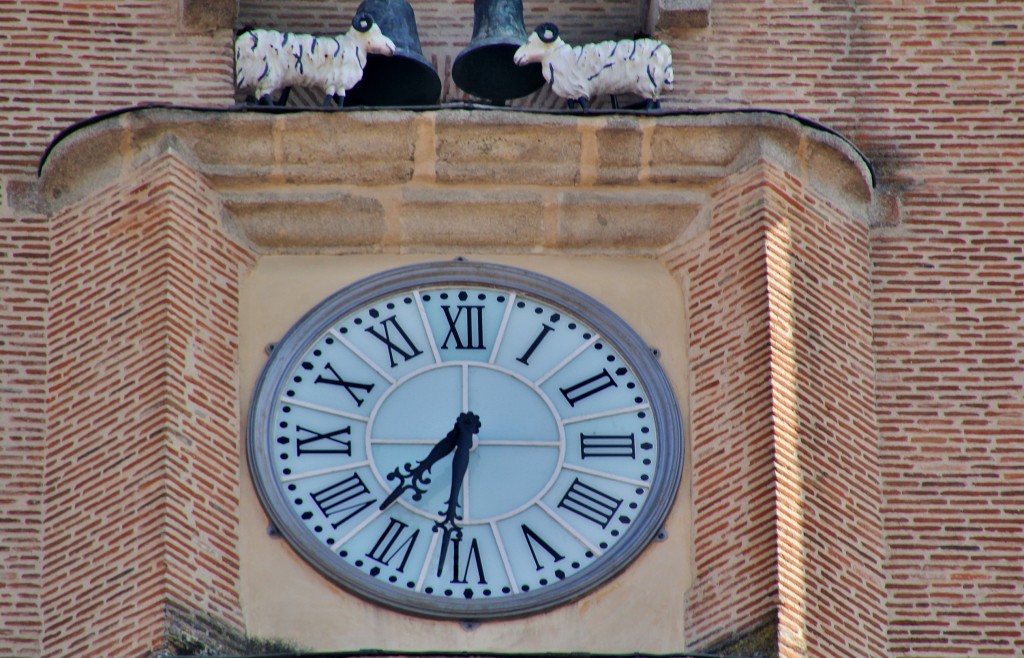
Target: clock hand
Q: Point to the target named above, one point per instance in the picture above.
(415, 478)
(466, 426)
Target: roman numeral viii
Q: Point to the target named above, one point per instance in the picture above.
(346, 497)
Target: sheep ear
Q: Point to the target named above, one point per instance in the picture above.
(547, 32)
(362, 22)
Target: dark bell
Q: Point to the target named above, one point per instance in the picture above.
(405, 78)
(485, 68)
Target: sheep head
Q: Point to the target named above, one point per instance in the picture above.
(364, 31)
(541, 41)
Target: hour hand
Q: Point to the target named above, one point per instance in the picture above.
(415, 478)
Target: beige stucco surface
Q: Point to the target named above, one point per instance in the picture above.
(282, 597)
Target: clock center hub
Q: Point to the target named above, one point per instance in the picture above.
(514, 458)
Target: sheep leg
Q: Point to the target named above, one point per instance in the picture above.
(584, 104)
(283, 98)
(265, 99)
(615, 102)
(653, 104)
(337, 99)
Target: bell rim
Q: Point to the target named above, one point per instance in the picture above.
(525, 79)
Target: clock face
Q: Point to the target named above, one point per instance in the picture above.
(464, 440)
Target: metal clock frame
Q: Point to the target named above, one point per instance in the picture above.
(642, 360)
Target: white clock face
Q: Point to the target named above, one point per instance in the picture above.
(465, 440)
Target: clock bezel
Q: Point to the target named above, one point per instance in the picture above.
(642, 360)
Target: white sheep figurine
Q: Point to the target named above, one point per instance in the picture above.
(578, 73)
(267, 61)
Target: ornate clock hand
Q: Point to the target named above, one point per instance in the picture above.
(415, 478)
(466, 426)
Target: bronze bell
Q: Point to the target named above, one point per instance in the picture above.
(485, 68)
(405, 78)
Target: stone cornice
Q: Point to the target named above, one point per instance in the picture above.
(468, 176)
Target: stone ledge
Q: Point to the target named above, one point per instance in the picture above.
(671, 15)
(366, 180)
(208, 15)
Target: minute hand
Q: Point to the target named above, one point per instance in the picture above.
(467, 425)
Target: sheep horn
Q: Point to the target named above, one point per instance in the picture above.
(547, 32)
(362, 22)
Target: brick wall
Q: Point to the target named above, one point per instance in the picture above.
(930, 91)
(67, 61)
(142, 466)
(731, 450)
(23, 298)
(828, 494)
(783, 431)
(63, 62)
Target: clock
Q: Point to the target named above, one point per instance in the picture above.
(465, 441)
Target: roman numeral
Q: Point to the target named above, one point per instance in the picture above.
(525, 358)
(467, 327)
(332, 445)
(407, 350)
(472, 559)
(391, 543)
(533, 538)
(336, 380)
(590, 503)
(607, 445)
(343, 497)
(587, 387)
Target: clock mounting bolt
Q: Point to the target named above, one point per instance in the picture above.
(469, 624)
(661, 536)
(269, 349)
